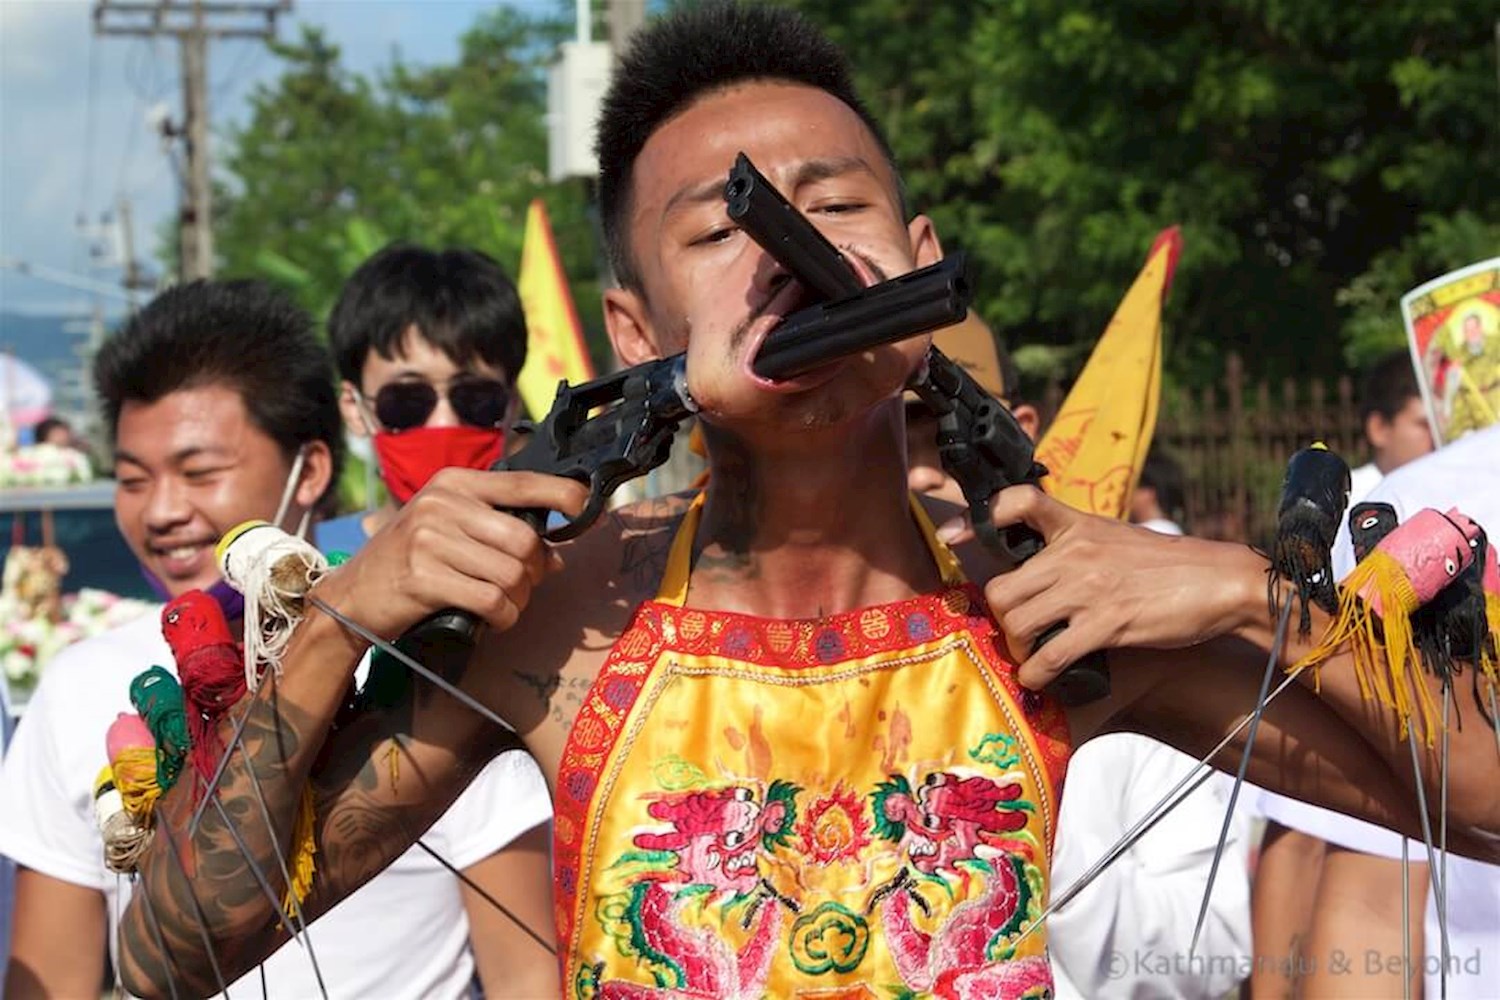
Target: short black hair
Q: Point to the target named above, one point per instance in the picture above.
(460, 300)
(238, 333)
(46, 426)
(1389, 385)
(694, 51)
(1163, 474)
(1010, 374)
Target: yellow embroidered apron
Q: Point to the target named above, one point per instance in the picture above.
(860, 805)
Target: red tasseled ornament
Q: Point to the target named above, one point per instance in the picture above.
(210, 667)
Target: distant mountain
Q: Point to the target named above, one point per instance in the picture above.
(55, 346)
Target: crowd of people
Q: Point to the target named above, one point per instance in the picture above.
(791, 733)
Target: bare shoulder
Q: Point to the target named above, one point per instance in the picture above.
(545, 664)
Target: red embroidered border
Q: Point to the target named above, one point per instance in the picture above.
(790, 644)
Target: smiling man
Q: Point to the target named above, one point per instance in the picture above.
(795, 748)
(221, 408)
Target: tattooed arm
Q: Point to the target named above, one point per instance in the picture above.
(207, 900)
(207, 904)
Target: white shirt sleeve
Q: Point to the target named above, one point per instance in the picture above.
(46, 802)
(508, 798)
(1128, 933)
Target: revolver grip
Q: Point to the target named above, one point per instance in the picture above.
(453, 628)
(448, 629)
(1086, 680)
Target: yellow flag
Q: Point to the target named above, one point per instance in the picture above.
(1097, 444)
(554, 338)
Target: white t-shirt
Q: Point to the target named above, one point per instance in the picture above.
(1466, 475)
(1361, 481)
(403, 934)
(1162, 526)
(1127, 934)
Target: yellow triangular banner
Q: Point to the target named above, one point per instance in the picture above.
(554, 339)
(1098, 441)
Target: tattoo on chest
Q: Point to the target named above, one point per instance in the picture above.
(569, 700)
(646, 535)
(544, 686)
(562, 697)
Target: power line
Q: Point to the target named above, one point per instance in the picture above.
(192, 23)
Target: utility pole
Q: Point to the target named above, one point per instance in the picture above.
(192, 23)
(625, 18)
(133, 278)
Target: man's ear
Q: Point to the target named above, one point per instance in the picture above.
(1028, 418)
(925, 248)
(354, 421)
(1377, 431)
(629, 326)
(317, 473)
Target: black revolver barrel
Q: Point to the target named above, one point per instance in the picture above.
(912, 304)
(770, 220)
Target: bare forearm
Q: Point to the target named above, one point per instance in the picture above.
(1472, 763)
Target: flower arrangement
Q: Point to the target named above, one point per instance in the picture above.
(28, 643)
(44, 465)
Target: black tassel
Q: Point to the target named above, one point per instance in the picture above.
(1314, 494)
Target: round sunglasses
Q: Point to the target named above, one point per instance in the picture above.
(478, 402)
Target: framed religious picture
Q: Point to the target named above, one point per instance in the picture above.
(1453, 328)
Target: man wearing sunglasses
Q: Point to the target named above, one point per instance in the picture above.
(428, 345)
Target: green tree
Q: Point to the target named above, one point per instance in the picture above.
(331, 165)
(1322, 157)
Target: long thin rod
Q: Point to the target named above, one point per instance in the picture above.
(161, 945)
(286, 873)
(1442, 900)
(1406, 969)
(1432, 865)
(387, 648)
(1239, 777)
(208, 946)
(1201, 771)
(211, 790)
(489, 899)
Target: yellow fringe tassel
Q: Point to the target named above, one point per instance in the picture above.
(135, 779)
(304, 846)
(393, 763)
(1400, 685)
(1487, 649)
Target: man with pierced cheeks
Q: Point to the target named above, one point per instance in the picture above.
(796, 735)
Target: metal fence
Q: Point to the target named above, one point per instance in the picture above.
(1233, 441)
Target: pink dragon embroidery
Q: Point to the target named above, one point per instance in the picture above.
(716, 837)
(941, 828)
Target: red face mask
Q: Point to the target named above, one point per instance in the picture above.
(409, 459)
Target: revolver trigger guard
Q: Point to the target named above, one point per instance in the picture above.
(575, 526)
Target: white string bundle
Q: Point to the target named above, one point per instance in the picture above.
(124, 839)
(274, 570)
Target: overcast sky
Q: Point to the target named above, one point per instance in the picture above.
(63, 153)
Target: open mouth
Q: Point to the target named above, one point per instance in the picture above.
(795, 296)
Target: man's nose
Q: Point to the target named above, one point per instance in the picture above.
(442, 414)
(167, 505)
(769, 276)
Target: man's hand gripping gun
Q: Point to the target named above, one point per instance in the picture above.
(981, 445)
(614, 429)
